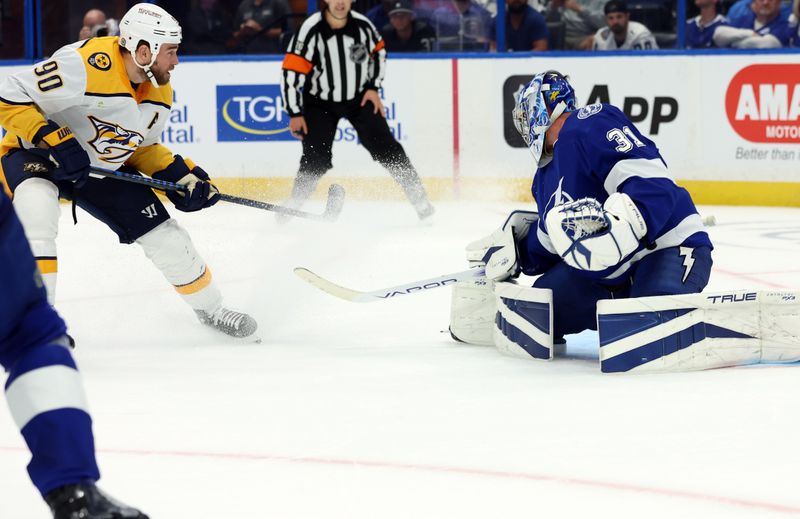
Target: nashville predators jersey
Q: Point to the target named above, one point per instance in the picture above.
(85, 86)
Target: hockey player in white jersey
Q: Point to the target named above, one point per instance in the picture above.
(104, 102)
(622, 33)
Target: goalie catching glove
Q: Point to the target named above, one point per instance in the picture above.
(498, 251)
(594, 237)
(199, 193)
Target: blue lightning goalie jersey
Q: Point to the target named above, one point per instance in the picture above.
(598, 152)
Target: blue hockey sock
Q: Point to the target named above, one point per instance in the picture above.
(47, 401)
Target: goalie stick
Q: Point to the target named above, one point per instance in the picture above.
(356, 296)
(333, 205)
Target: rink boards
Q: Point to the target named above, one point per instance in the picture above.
(727, 125)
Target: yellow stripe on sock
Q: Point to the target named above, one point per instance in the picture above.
(47, 266)
(195, 286)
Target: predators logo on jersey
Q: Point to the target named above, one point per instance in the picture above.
(113, 143)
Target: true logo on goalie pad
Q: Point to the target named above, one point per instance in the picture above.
(732, 298)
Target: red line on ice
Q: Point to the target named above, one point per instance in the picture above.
(606, 485)
(748, 277)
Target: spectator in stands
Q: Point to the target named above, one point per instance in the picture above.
(743, 7)
(207, 29)
(763, 27)
(405, 33)
(582, 18)
(258, 26)
(95, 23)
(462, 25)
(700, 29)
(621, 33)
(794, 22)
(491, 5)
(379, 14)
(525, 28)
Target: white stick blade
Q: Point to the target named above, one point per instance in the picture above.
(331, 288)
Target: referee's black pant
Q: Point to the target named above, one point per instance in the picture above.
(322, 118)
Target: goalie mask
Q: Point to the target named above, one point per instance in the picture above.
(537, 105)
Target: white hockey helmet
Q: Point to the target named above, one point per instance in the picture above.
(151, 24)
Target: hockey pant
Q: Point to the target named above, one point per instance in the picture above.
(132, 211)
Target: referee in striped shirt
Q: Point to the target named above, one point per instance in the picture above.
(333, 69)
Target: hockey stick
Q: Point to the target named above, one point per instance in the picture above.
(357, 296)
(333, 205)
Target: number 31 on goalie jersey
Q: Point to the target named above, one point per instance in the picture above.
(624, 138)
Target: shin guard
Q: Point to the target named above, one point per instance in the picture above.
(171, 250)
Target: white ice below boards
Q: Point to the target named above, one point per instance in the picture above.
(363, 411)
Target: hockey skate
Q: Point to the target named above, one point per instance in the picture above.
(424, 210)
(86, 501)
(233, 323)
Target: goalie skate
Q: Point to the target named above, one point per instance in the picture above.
(230, 322)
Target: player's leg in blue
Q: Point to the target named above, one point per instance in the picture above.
(675, 270)
(574, 300)
(44, 389)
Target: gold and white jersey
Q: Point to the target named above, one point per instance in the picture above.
(638, 37)
(85, 87)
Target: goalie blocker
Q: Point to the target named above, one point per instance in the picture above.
(646, 334)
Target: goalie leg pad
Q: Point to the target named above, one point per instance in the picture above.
(472, 312)
(698, 331)
(524, 321)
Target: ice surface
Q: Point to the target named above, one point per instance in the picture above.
(371, 411)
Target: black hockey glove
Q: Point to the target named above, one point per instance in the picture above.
(200, 192)
(72, 161)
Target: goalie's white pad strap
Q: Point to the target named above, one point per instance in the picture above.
(472, 311)
(524, 321)
(699, 331)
